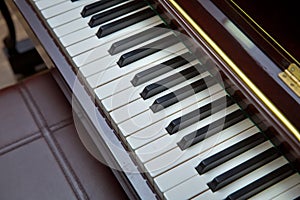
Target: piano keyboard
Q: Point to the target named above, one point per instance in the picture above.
(188, 136)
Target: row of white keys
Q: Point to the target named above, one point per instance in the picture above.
(94, 54)
(105, 59)
(67, 14)
(185, 190)
(87, 31)
(94, 41)
(63, 8)
(133, 94)
(71, 27)
(244, 181)
(111, 71)
(185, 171)
(123, 82)
(77, 23)
(64, 18)
(157, 130)
(168, 142)
(76, 35)
(146, 118)
(176, 156)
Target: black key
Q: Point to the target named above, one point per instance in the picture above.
(230, 152)
(198, 114)
(99, 6)
(162, 68)
(182, 93)
(147, 50)
(243, 169)
(211, 129)
(116, 12)
(138, 38)
(171, 81)
(74, 0)
(262, 183)
(124, 22)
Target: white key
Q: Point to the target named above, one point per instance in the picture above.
(292, 193)
(78, 35)
(245, 180)
(168, 142)
(65, 17)
(93, 42)
(45, 4)
(147, 117)
(63, 7)
(70, 27)
(185, 171)
(157, 129)
(280, 189)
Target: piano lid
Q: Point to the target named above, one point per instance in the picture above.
(274, 27)
(276, 22)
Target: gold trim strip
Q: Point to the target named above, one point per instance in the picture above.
(291, 77)
(235, 68)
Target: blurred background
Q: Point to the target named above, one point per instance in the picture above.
(7, 76)
(21, 60)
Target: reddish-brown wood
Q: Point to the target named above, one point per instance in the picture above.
(278, 20)
(253, 70)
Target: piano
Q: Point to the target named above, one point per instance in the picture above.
(193, 99)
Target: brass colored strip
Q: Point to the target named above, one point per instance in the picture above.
(235, 68)
(291, 77)
(295, 71)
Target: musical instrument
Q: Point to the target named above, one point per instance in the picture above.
(179, 99)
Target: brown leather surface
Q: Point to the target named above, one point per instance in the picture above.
(41, 156)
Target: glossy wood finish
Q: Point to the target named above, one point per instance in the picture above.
(275, 25)
(253, 70)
